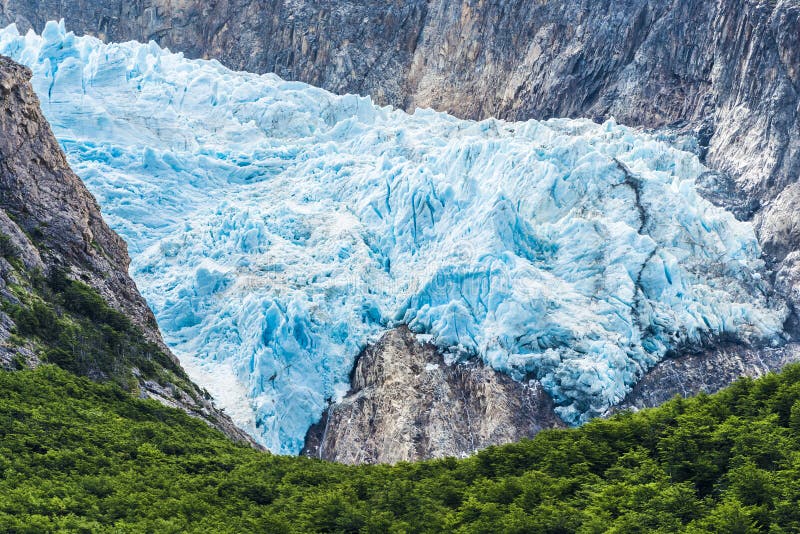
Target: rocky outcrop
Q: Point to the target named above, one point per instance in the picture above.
(406, 403)
(48, 222)
(44, 199)
(706, 372)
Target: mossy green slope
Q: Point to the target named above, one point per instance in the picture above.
(69, 324)
(80, 456)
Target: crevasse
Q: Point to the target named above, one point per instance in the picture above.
(276, 229)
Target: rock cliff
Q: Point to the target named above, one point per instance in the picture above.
(63, 271)
(406, 403)
(706, 372)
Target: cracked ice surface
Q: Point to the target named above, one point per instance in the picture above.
(276, 229)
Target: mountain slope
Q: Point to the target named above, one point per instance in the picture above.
(82, 456)
(66, 295)
(725, 71)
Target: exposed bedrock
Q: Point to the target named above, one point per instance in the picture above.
(406, 403)
(706, 372)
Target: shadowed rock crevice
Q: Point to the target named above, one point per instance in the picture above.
(706, 372)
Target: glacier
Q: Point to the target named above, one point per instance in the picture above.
(277, 229)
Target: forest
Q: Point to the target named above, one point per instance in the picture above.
(80, 456)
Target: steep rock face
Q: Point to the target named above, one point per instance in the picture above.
(49, 222)
(727, 72)
(406, 403)
(48, 201)
(706, 372)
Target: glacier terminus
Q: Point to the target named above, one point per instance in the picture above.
(276, 229)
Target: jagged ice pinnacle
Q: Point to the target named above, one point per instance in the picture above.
(276, 229)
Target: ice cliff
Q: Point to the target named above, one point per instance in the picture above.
(276, 229)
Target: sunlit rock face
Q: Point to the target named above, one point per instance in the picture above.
(276, 229)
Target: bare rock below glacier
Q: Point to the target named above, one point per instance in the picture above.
(706, 372)
(406, 403)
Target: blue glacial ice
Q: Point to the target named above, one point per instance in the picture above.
(276, 229)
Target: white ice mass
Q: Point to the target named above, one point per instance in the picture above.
(276, 229)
